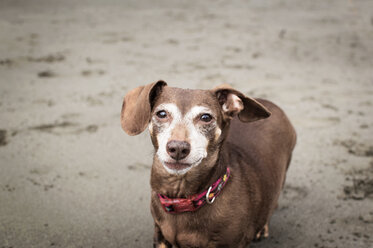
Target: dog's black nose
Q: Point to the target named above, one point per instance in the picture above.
(178, 149)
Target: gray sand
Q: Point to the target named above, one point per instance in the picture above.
(70, 177)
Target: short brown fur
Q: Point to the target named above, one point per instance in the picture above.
(258, 154)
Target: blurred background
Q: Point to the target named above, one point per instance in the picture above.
(70, 177)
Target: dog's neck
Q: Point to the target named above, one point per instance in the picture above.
(194, 181)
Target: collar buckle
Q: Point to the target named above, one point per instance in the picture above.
(208, 196)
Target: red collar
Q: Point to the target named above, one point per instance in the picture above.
(194, 202)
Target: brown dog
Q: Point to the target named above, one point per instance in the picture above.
(217, 175)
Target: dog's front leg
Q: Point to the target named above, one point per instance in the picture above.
(158, 240)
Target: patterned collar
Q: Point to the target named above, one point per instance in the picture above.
(194, 202)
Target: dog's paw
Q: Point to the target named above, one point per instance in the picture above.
(263, 234)
(162, 245)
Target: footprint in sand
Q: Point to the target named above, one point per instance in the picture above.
(360, 184)
(3, 140)
(294, 192)
(64, 127)
(355, 148)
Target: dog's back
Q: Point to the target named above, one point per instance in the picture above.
(268, 141)
(264, 149)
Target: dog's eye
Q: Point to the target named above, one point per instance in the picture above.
(161, 114)
(206, 118)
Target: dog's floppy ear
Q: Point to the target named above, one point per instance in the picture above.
(137, 107)
(234, 102)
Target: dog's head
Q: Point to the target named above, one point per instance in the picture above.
(186, 126)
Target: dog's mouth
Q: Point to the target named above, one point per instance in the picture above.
(177, 165)
(180, 166)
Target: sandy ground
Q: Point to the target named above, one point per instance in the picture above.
(70, 177)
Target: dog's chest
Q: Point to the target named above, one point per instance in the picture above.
(182, 236)
(186, 231)
(198, 229)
